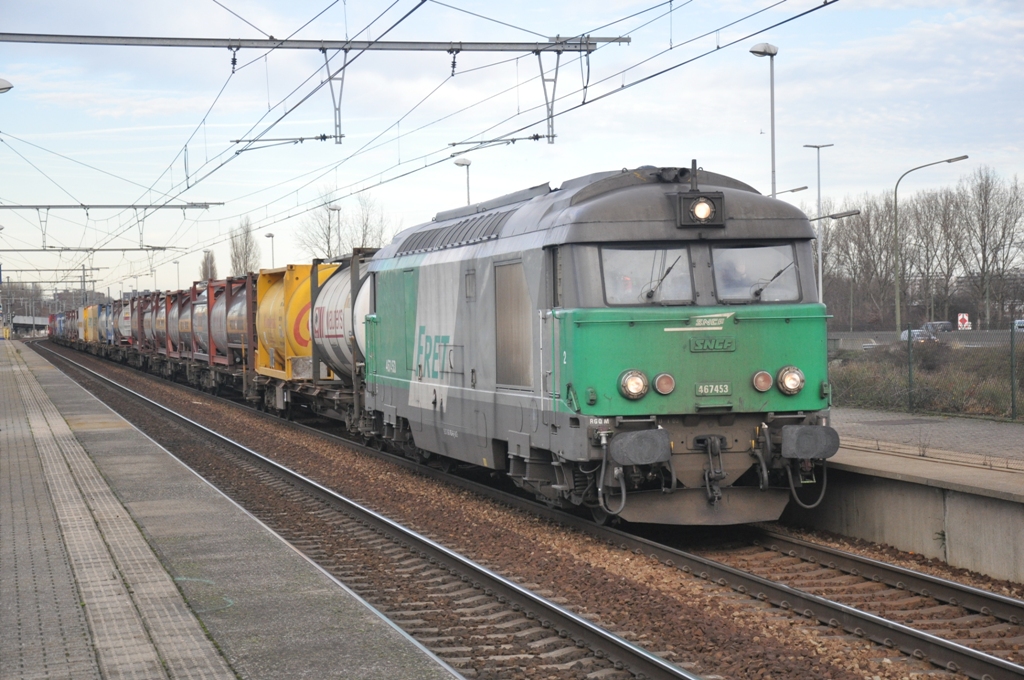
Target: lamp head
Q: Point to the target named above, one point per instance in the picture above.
(764, 50)
(5, 85)
(463, 162)
(269, 235)
(958, 158)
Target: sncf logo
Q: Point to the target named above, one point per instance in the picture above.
(710, 322)
(713, 344)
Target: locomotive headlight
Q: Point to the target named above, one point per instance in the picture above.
(633, 384)
(664, 383)
(790, 380)
(763, 381)
(702, 209)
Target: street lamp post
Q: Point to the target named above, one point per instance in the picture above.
(821, 283)
(769, 50)
(5, 85)
(177, 268)
(896, 228)
(336, 209)
(271, 237)
(465, 163)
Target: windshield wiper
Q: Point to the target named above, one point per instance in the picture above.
(757, 293)
(650, 293)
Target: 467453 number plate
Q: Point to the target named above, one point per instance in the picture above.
(713, 389)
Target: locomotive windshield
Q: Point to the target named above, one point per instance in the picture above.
(756, 273)
(646, 276)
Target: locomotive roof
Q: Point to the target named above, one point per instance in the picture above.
(622, 205)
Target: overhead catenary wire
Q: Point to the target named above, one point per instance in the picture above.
(274, 123)
(559, 113)
(331, 167)
(334, 166)
(239, 16)
(564, 112)
(290, 213)
(481, 16)
(203, 121)
(202, 124)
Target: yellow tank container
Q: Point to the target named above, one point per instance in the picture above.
(90, 328)
(282, 322)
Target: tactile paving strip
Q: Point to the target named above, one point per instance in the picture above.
(144, 628)
(43, 632)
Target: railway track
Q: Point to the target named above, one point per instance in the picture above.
(949, 625)
(975, 618)
(469, 615)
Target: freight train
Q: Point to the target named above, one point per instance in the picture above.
(644, 344)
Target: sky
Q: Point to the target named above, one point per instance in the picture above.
(893, 84)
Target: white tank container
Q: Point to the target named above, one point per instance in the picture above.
(230, 327)
(124, 321)
(172, 324)
(160, 323)
(147, 322)
(185, 325)
(201, 323)
(331, 321)
(103, 325)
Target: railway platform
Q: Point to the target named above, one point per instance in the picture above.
(941, 486)
(117, 561)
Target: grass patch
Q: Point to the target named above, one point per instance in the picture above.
(947, 379)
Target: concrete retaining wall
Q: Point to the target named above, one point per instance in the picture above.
(965, 530)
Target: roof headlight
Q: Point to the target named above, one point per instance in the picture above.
(702, 209)
(664, 383)
(633, 384)
(790, 380)
(763, 381)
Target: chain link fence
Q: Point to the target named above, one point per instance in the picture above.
(978, 373)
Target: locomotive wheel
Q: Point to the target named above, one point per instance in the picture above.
(599, 515)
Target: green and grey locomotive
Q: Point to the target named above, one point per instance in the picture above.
(644, 343)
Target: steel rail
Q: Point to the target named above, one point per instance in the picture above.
(950, 592)
(604, 644)
(919, 644)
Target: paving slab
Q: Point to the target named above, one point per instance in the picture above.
(933, 435)
(261, 608)
(966, 455)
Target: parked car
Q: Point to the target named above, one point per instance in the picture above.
(919, 335)
(937, 327)
(1019, 324)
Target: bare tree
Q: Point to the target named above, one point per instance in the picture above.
(961, 247)
(989, 214)
(939, 210)
(245, 254)
(364, 225)
(208, 267)
(317, 235)
(331, 231)
(864, 246)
